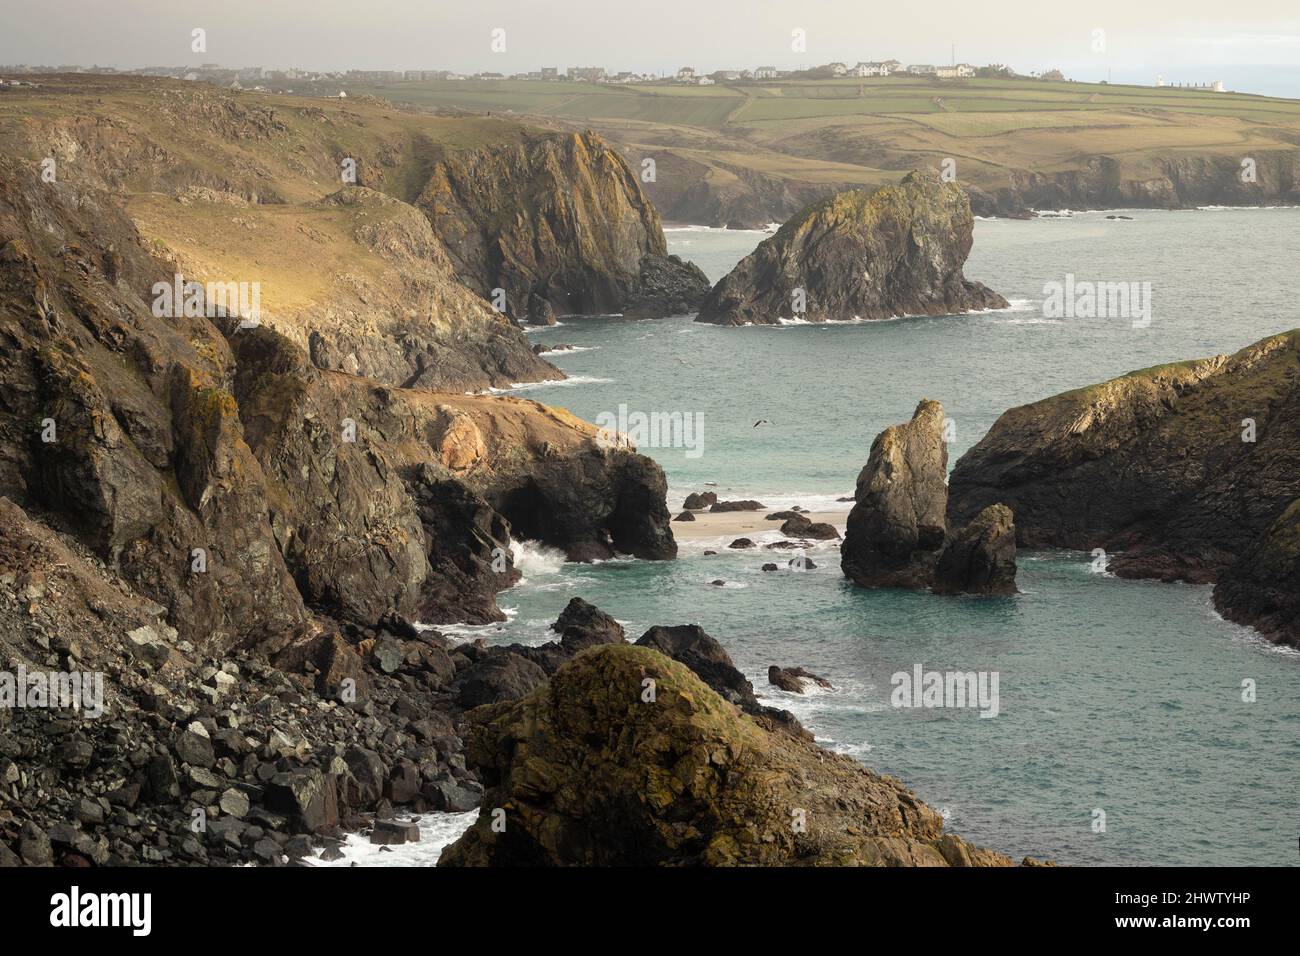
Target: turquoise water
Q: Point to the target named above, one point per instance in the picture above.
(1117, 696)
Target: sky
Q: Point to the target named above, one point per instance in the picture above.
(1253, 46)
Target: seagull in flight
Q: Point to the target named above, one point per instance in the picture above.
(761, 421)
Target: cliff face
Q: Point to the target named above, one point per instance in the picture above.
(1188, 469)
(1178, 182)
(224, 476)
(561, 217)
(861, 254)
(591, 772)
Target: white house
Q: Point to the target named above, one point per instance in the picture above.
(869, 69)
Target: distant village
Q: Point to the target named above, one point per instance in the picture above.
(255, 77)
(258, 78)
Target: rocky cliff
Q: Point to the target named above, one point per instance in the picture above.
(898, 535)
(627, 758)
(1185, 471)
(860, 254)
(560, 217)
(228, 478)
(305, 201)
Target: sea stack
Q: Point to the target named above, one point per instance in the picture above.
(860, 255)
(897, 534)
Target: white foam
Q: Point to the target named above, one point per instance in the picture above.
(569, 382)
(437, 832)
(569, 351)
(535, 559)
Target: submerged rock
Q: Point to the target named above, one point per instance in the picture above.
(592, 771)
(860, 254)
(793, 679)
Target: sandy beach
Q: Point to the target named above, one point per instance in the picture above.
(744, 523)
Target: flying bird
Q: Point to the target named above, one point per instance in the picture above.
(761, 421)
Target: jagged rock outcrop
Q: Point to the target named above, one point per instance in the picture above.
(1184, 468)
(869, 255)
(560, 217)
(898, 534)
(591, 771)
(897, 528)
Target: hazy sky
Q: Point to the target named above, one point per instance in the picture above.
(1253, 45)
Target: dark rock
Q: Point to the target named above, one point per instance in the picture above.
(394, 833)
(792, 679)
(195, 748)
(770, 567)
(685, 516)
(540, 311)
(582, 625)
(700, 499)
(690, 645)
(506, 676)
(741, 543)
(452, 795)
(747, 504)
(981, 558)
(820, 531)
(306, 797)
